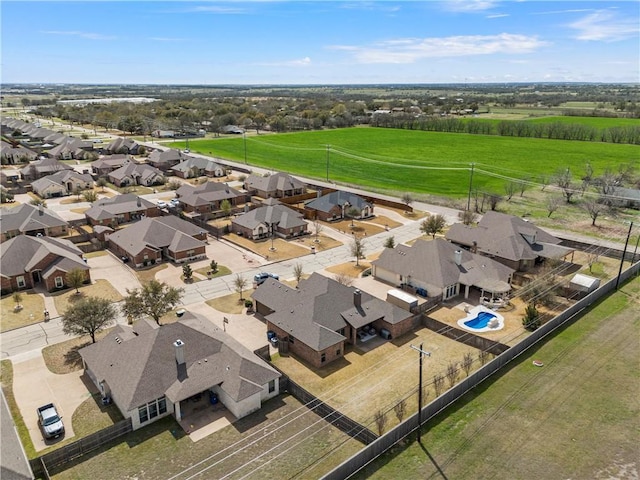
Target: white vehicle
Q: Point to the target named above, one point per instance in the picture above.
(161, 204)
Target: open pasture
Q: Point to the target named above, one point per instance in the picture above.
(421, 162)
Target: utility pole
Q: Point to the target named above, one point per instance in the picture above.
(244, 139)
(422, 354)
(328, 148)
(470, 186)
(624, 253)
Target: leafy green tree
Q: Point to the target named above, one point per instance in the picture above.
(187, 272)
(88, 316)
(38, 202)
(102, 182)
(433, 224)
(225, 207)
(76, 278)
(531, 319)
(213, 266)
(390, 242)
(90, 196)
(154, 299)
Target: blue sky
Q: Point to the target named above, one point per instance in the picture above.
(326, 42)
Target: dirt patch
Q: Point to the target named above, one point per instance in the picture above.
(230, 303)
(63, 357)
(145, 276)
(31, 312)
(282, 249)
(360, 228)
(101, 289)
(350, 269)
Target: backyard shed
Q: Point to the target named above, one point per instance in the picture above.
(583, 283)
(402, 299)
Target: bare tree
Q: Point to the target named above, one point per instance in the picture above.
(563, 180)
(352, 213)
(592, 257)
(400, 409)
(240, 283)
(438, 383)
(594, 209)
(76, 278)
(510, 189)
(553, 203)
(483, 356)
(494, 199)
(523, 184)
(297, 272)
(318, 227)
(467, 362)
(452, 373)
(468, 217)
(343, 279)
(357, 249)
(407, 199)
(381, 421)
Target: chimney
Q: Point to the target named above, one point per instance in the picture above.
(357, 298)
(179, 344)
(457, 256)
(139, 202)
(474, 247)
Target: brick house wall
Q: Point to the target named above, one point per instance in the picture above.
(50, 281)
(316, 358)
(198, 253)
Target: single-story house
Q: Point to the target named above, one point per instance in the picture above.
(105, 165)
(123, 146)
(13, 155)
(165, 160)
(33, 220)
(70, 148)
(9, 176)
(207, 197)
(515, 242)
(29, 261)
(151, 240)
(120, 209)
(318, 319)
(152, 371)
(136, 174)
(335, 205)
(272, 218)
(62, 183)
(277, 185)
(443, 269)
(197, 167)
(41, 168)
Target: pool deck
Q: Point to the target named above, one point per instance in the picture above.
(474, 312)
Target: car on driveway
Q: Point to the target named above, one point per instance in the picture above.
(261, 277)
(50, 422)
(161, 204)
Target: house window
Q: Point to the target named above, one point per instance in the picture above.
(59, 282)
(162, 405)
(338, 352)
(142, 414)
(152, 409)
(291, 339)
(21, 282)
(341, 331)
(272, 386)
(451, 291)
(190, 253)
(323, 358)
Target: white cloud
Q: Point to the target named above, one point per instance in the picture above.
(411, 50)
(468, 5)
(87, 35)
(301, 62)
(219, 9)
(605, 25)
(498, 15)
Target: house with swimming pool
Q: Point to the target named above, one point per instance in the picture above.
(442, 269)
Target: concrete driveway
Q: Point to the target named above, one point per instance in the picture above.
(110, 268)
(34, 385)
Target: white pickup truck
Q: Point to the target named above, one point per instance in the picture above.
(50, 422)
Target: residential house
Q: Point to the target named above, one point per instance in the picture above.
(277, 185)
(166, 160)
(27, 219)
(136, 174)
(206, 198)
(152, 371)
(71, 148)
(26, 262)
(624, 198)
(442, 269)
(193, 167)
(152, 240)
(15, 154)
(9, 177)
(317, 320)
(41, 168)
(107, 164)
(120, 209)
(123, 146)
(272, 218)
(336, 205)
(512, 241)
(62, 183)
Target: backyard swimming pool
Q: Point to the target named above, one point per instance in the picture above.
(481, 319)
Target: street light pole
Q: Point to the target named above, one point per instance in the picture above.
(422, 354)
(244, 140)
(470, 186)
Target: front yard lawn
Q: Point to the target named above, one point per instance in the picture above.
(284, 249)
(31, 312)
(100, 288)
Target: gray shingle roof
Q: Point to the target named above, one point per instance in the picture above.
(320, 307)
(433, 264)
(276, 182)
(270, 214)
(26, 218)
(196, 162)
(22, 253)
(327, 202)
(142, 367)
(206, 193)
(60, 178)
(107, 208)
(508, 237)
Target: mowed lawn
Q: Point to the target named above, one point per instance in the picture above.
(422, 162)
(576, 417)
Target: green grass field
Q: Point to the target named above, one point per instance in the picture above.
(416, 161)
(577, 417)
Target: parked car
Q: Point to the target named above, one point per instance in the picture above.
(174, 202)
(260, 278)
(50, 422)
(161, 204)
